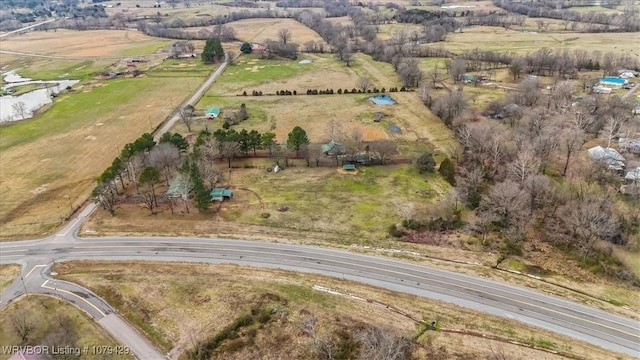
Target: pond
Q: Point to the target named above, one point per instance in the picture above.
(13, 108)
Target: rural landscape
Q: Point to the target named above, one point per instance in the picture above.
(277, 179)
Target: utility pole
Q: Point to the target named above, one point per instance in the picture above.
(23, 285)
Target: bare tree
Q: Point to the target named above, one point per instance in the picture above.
(167, 157)
(410, 73)
(284, 35)
(186, 115)
(382, 148)
(458, 68)
(324, 348)
(20, 109)
(23, 325)
(364, 84)
(505, 205)
(571, 140)
(469, 183)
(435, 76)
(524, 165)
(612, 127)
(104, 194)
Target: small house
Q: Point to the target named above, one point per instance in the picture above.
(180, 187)
(211, 113)
(333, 148)
(629, 145)
(609, 156)
(632, 176)
(257, 48)
(349, 167)
(220, 194)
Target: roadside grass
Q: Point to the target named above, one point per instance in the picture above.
(45, 312)
(483, 37)
(260, 30)
(188, 303)
(50, 162)
(8, 273)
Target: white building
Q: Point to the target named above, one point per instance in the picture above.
(609, 156)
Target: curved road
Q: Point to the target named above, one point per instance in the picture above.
(598, 327)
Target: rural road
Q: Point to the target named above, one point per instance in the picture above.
(26, 28)
(592, 325)
(193, 99)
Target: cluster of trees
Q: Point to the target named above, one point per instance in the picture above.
(146, 164)
(227, 143)
(213, 51)
(504, 171)
(595, 21)
(12, 20)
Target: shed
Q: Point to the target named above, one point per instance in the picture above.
(349, 167)
(220, 194)
(633, 175)
(213, 112)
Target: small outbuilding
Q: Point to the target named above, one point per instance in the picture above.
(213, 112)
(220, 194)
(349, 167)
(180, 187)
(333, 148)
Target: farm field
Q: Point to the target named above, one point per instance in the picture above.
(177, 305)
(53, 320)
(260, 30)
(484, 38)
(49, 163)
(111, 44)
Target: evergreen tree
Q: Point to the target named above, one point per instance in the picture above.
(426, 163)
(296, 138)
(212, 51)
(448, 171)
(200, 193)
(246, 48)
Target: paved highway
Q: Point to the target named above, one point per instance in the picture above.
(598, 327)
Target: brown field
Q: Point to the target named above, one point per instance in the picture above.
(385, 31)
(45, 312)
(177, 304)
(8, 273)
(484, 38)
(259, 30)
(79, 44)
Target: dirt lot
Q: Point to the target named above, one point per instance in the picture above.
(176, 313)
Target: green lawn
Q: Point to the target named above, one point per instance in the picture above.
(55, 69)
(145, 49)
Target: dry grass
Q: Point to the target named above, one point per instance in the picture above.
(44, 312)
(8, 273)
(76, 44)
(186, 302)
(47, 170)
(260, 30)
(484, 38)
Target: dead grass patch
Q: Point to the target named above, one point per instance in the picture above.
(8, 273)
(187, 302)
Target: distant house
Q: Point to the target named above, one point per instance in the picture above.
(627, 74)
(468, 79)
(609, 156)
(180, 187)
(333, 148)
(220, 194)
(187, 55)
(211, 113)
(599, 89)
(629, 145)
(258, 48)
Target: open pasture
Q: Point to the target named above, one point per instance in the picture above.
(500, 39)
(260, 30)
(84, 44)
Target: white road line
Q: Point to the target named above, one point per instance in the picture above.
(76, 295)
(37, 266)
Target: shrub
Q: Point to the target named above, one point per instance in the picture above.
(395, 232)
(413, 224)
(265, 215)
(448, 171)
(426, 163)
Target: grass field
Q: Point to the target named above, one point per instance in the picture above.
(84, 44)
(259, 30)
(484, 38)
(177, 304)
(46, 314)
(49, 163)
(8, 273)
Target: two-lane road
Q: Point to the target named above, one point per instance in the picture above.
(561, 316)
